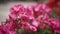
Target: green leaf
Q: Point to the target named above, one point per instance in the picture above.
(21, 30)
(54, 14)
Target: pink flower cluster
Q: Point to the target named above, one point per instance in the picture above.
(54, 24)
(7, 28)
(29, 18)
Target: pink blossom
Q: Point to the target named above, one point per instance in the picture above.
(16, 8)
(5, 29)
(12, 32)
(32, 28)
(26, 13)
(43, 19)
(55, 25)
(42, 26)
(15, 11)
(13, 16)
(43, 8)
(35, 23)
(26, 27)
(24, 20)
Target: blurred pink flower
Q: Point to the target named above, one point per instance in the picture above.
(35, 23)
(17, 8)
(12, 32)
(43, 8)
(55, 25)
(6, 29)
(26, 26)
(32, 28)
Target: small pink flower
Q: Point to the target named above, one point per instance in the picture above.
(26, 13)
(15, 11)
(12, 32)
(13, 16)
(43, 17)
(43, 8)
(42, 26)
(35, 23)
(6, 29)
(26, 27)
(16, 8)
(24, 20)
(32, 28)
(55, 25)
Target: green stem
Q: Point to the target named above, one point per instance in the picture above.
(17, 31)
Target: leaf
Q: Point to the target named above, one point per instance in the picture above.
(21, 30)
(54, 14)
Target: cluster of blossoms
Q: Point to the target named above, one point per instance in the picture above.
(30, 19)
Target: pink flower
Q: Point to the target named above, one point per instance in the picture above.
(6, 29)
(13, 16)
(32, 28)
(26, 13)
(12, 32)
(35, 23)
(24, 20)
(43, 8)
(19, 11)
(42, 26)
(17, 8)
(26, 27)
(43, 19)
(55, 25)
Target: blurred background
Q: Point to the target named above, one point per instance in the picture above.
(6, 4)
